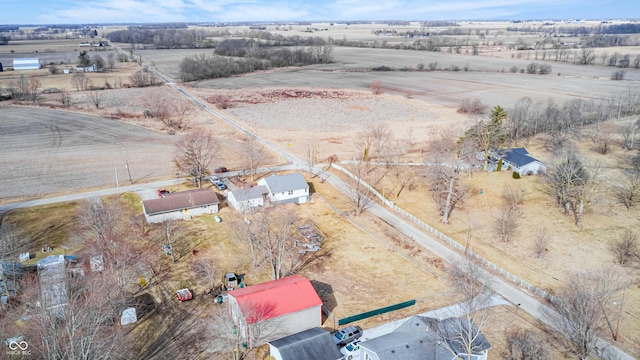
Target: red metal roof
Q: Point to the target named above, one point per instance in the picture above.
(276, 298)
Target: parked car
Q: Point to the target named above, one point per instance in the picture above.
(163, 192)
(352, 350)
(214, 179)
(347, 335)
(221, 186)
(220, 169)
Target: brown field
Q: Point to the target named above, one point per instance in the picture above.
(338, 105)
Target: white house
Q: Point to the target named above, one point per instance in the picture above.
(424, 338)
(26, 64)
(275, 309)
(181, 205)
(518, 160)
(244, 200)
(312, 344)
(290, 188)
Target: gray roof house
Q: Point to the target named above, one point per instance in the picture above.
(244, 200)
(518, 160)
(290, 188)
(312, 344)
(424, 338)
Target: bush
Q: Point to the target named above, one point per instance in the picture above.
(618, 75)
(499, 165)
(472, 106)
(382, 68)
(516, 175)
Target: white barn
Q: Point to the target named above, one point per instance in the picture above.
(244, 200)
(181, 205)
(275, 309)
(26, 64)
(290, 188)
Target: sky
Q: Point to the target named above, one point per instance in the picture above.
(149, 11)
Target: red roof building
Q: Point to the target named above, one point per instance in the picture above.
(275, 309)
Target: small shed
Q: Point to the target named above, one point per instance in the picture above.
(181, 205)
(26, 64)
(52, 273)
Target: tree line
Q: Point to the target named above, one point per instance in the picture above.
(237, 57)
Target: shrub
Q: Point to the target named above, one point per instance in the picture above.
(618, 75)
(472, 106)
(420, 67)
(516, 175)
(382, 68)
(499, 165)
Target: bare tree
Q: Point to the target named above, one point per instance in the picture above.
(541, 243)
(312, 153)
(33, 89)
(512, 196)
(584, 306)
(359, 194)
(587, 56)
(142, 78)
(628, 191)
(206, 269)
(626, 248)
(254, 155)
(568, 180)
(471, 285)
(628, 133)
(443, 175)
(507, 222)
(175, 115)
(194, 154)
(171, 235)
(402, 175)
(64, 98)
(80, 81)
(527, 345)
(271, 235)
(95, 98)
(374, 141)
(11, 245)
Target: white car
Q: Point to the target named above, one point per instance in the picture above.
(351, 351)
(214, 179)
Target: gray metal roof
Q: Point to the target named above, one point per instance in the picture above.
(250, 193)
(517, 156)
(420, 338)
(284, 183)
(312, 344)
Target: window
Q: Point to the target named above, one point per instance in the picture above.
(290, 192)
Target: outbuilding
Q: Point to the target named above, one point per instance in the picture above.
(275, 309)
(312, 344)
(244, 200)
(181, 205)
(26, 64)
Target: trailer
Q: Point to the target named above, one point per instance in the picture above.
(184, 295)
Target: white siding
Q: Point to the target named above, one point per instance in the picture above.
(284, 325)
(181, 214)
(299, 196)
(274, 352)
(244, 206)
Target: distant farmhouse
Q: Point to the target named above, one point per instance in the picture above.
(26, 64)
(517, 160)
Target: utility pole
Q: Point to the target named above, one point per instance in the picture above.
(117, 184)
(126, 164)
(615, 336)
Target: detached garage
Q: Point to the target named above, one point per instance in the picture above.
(275, 309)
(26, 64)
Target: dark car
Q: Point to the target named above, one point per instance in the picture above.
(347, 335)
(163, 192)
(221, 169)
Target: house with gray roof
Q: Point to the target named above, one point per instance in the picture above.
(518, 160)
(311, 344)
(244, 200)
(289, 188)
(424, 338)
(180, 205)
